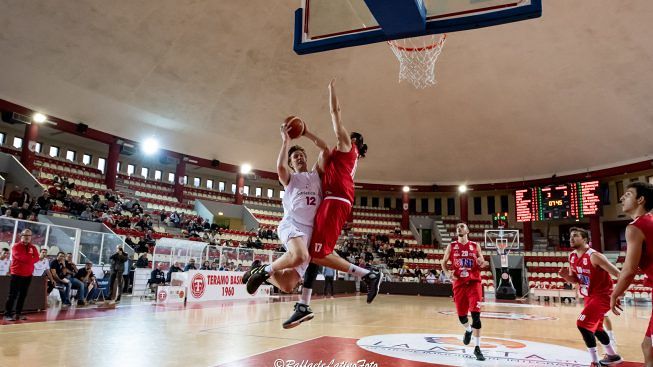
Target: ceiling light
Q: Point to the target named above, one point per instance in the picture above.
(245, 168)
(462, 188)
(406, 189)
(150, 146)
(39, 118)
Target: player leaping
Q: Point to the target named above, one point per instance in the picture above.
(338, 189)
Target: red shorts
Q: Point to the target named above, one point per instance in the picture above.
(467, 297)
(591, 318)
(331, 216)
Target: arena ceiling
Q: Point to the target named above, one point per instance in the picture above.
(567, 92)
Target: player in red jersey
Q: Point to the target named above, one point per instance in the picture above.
(637, 202)
(591, 270)
(466, 260)
(333, 212)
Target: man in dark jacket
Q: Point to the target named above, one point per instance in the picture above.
(117, 268)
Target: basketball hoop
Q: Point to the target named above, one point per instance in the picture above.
(417, 58)
(501, 247)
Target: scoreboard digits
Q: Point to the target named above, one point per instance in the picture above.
(574, 200)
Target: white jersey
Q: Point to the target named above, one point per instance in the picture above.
(4, 266)
(40, 267)
(302, 198)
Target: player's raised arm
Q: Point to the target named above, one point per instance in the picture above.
(283, 170)
(344, 141)
(324, 150)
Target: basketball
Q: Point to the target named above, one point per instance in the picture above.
(296, 125)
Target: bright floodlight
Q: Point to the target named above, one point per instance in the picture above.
(406, 188)
(39, 117)
(462, 188)
(245, 168)
(150, 146)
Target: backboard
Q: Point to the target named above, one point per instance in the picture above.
(322, 25)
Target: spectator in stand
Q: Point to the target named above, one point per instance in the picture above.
(43, 265)
(124, 222)
(141, 247)
(442, 278)
(70, 272)
(5, 263)
(7, 214)
(14, 195)
(157, 277)
(15, 209)
(86, 276)
(44, 203)
(33, 218)
(206, 265)
(95, 199)
(190, 265)
(215, 265)
(23, 257)
(173, 269)
(57, 270)
(118, 260)
(258, 244)
(142, 261)
(431, 277)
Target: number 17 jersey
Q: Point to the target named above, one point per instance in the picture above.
(302, 197)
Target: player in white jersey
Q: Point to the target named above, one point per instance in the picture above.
(42, 265)
(303, 194)
(4, 261)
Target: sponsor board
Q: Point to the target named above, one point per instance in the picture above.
(170, 294)
(508, 304)
(210, 285)
(505, 315)
(448, 349)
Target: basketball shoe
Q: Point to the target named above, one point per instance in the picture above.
(467, 337)
(609, 360)
(302, 313)
(257, 276)
(478, 354)
(373, 281)
(248, 273)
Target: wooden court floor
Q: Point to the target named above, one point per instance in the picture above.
(249, 333)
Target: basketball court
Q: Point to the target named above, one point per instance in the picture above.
(507, 77)
(345, 329)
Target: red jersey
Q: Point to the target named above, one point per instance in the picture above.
(645, 224)
(592, 280)
(23, 259)
(463, 261)
(339, 173)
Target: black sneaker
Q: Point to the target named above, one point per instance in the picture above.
(478, 354)
(257, 276)
(373, 280)
(248, 273)
(9, 318)
(302, 313)
(467, 338)
(609, 360)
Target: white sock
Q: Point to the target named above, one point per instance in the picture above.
(357, 271)
(477, 340)
(305, 298)
(468, 328)
(609, 350)
(594, 354)
(268, 268)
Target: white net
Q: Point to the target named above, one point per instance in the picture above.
(417, 58)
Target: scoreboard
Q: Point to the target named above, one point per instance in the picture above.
(573, 200)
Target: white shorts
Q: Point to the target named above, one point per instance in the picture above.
(287, 230)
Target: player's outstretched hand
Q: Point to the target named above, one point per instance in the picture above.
(284, 133)
(615, 305)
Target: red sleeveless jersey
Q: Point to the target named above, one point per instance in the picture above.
(463, 261)
(339, 173)
(592, 280)
(645, 224)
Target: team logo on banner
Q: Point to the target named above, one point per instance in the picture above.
(163, 295)
(181, 294)
(448, 349)
(505, 316)
(405, 206)
(197, 285)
